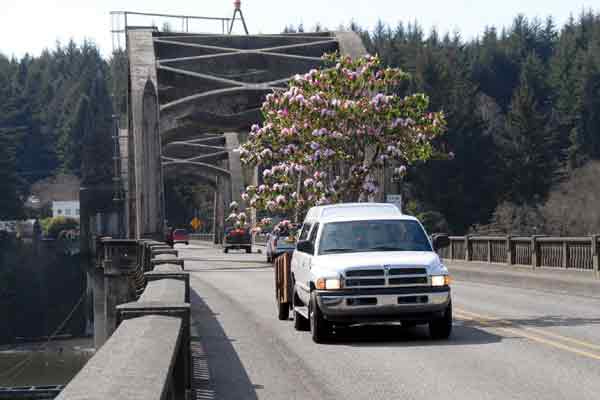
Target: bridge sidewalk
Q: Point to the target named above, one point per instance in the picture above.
(579, 283)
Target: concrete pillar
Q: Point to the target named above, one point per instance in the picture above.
(535, 259)
(595, 257)
(97, 278)
(219, 213)
(565, 254)
(235, 166)
(510, 260)
(116, 288)
(467, 248)
(214, 221)
(144, 173)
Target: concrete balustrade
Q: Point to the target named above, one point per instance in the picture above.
(162, 251)
(167, 268)
(137, 362)
(176, 275)
(146, 318)
(166, 259)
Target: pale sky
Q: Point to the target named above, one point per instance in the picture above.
(32, 25)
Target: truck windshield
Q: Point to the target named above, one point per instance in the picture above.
(374, 235)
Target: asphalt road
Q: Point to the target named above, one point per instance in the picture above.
(507, 343)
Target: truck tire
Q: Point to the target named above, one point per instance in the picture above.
(283, 311)
(225, 250)
(320, 329)
(441, 328)
(300, 323)
(248, 250)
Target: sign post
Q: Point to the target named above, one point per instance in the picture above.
(394, 199)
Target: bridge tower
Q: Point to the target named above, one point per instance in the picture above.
(192, 99)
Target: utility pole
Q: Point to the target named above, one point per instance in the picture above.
(237, 4)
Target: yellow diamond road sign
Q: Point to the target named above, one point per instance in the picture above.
(195, 223)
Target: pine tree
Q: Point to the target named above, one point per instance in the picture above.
(566, 102)
(589, 89)
(96, 150)
(10, 202)
(530, 163)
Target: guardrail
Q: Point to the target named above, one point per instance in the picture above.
(572, 253)
(147, 354)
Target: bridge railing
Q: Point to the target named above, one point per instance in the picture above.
(569, 253)
(147, 354)
(122, 20)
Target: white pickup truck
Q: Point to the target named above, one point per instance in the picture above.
(367, 262)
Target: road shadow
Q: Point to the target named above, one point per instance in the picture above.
(393, 335)
(217, 371)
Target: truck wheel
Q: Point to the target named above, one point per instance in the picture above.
(320, 329)
(441, 328)
(248, 250)
(300, 323)
(225, 250)
(283, 311)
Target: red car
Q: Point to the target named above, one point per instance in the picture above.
(181, 236)
(237, 238)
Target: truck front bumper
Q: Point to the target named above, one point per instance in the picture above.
(420, 304)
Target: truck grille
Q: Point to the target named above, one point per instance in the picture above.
(392, 276)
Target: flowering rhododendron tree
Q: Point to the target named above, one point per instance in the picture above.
(328, 136)
(236, 217)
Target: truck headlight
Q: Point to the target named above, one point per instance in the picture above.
(440, 280)
(329, 284)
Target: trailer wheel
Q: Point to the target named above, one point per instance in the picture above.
(283, 311)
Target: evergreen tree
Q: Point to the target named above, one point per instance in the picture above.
(10, 202)
(530, 162)
(589, 94)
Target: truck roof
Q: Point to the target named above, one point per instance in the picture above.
(354, 211)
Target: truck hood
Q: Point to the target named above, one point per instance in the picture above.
(339, 262)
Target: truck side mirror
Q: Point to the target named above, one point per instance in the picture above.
(305, 246)
(440, 240)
